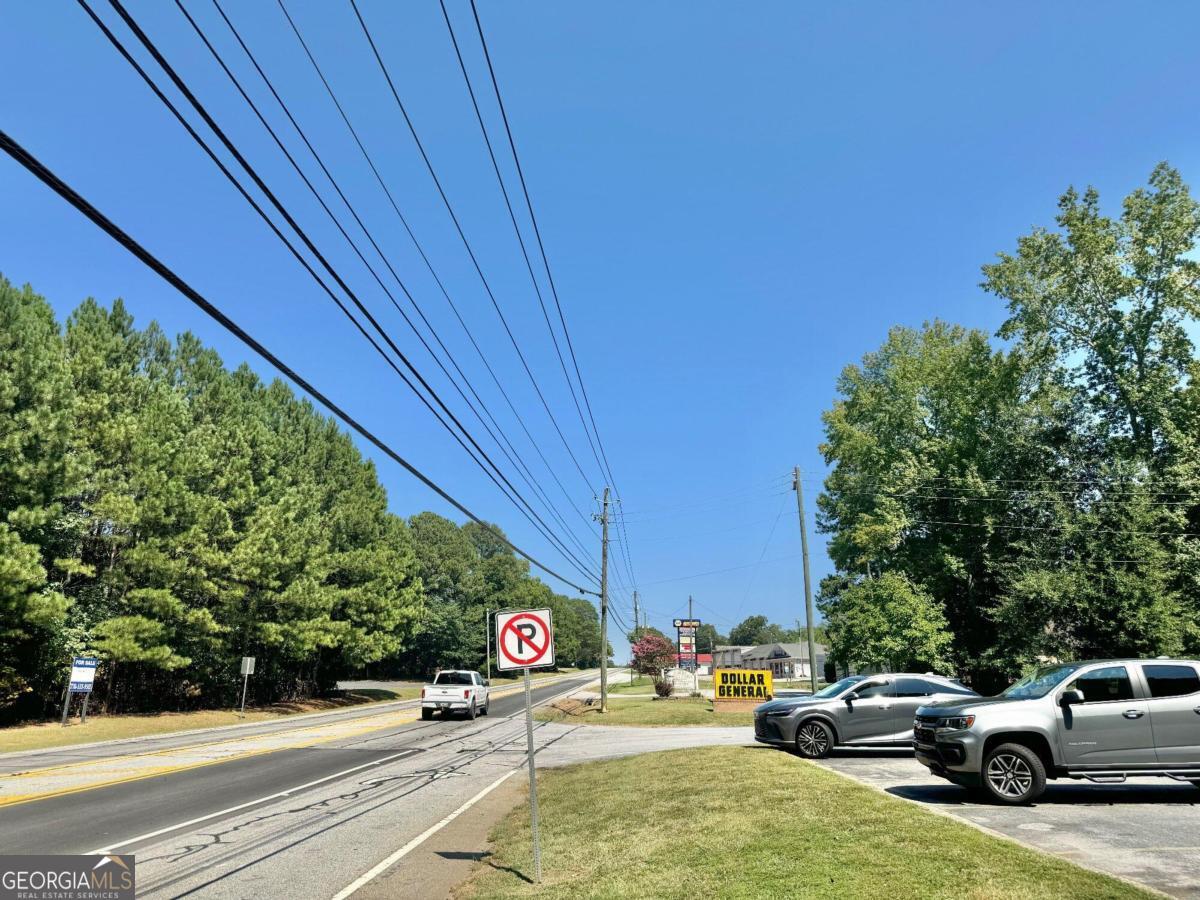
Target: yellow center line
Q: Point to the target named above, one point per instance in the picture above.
(379, 721)
(181, 767)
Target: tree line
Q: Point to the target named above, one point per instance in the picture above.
(1034, 495)
(170, 515)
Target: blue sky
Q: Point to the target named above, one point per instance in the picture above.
(737, 201)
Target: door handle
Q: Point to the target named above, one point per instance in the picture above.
(1134, 713)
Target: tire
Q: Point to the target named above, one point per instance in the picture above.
(487, 706)
(426, 714)
(1013, 775)
(814, 739)
(472, 712)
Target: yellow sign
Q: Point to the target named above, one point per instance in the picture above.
(742, 684)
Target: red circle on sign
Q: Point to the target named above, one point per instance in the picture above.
(510, 625)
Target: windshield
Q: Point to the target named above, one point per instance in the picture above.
(1039, 682)
(453, 678)
(832, 690)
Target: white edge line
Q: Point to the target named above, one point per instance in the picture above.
(421, 838)
(292, 790)
(385, 864)
(249, 803)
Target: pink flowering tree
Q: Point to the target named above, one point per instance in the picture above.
(653, 654)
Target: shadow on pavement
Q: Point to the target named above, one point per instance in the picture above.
(871, 753)
(1059, 795)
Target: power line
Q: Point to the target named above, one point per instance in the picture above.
(47, 177)
(538, 234)
(622, 531)
(429, 266)
(466, 244)
(517, 231)
(522, 469)
(199, 108)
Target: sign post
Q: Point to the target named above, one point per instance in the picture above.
(83, 675)
(247, 671)
(525, 640)
(685, 641)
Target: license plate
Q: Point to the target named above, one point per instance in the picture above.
(443, 705)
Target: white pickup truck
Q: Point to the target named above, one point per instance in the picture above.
(456, 690)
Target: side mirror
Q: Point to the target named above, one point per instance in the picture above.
(851, 697)
(1072, 697)
(487, 682)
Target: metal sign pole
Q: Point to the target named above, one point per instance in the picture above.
(245, 684)
(533, 807)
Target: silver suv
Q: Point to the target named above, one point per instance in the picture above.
(1102, 720)
(862, 709)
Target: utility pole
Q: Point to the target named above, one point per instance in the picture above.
(808, 604)
(695, 659)
(487, 630)
(604, 604)
(635, 632)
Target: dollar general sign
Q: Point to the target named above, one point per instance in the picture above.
(742, 685)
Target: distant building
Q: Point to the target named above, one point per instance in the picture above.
(785, 660)
(728, 656)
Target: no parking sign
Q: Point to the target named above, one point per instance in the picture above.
(524, 639)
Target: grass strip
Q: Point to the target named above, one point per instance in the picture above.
(745, 822)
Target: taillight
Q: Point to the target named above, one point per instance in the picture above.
(422, 693)
(466, 694)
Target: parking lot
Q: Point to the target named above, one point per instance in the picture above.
(1146, 830)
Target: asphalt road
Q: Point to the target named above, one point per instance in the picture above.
(108, 816)
(1146, 830)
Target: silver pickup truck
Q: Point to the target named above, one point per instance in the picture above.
(459, 690)
(1101, 720)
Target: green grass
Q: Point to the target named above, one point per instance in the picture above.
(642, 711)
(108, 728)
(743, 822)
(642, 684)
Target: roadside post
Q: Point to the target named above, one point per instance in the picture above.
(685, 642)
(80, 681)
(525, 640)
(247, 671)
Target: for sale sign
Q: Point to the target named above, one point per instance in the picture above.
(83, 674)
(524, 639)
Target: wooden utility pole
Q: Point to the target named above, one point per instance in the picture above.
(808, 603)
(604, 604)
(635, 633)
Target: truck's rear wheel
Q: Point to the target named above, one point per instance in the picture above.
(1013, 774)
(426, 713)
(472, 712)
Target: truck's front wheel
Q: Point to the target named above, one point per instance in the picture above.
(1013, 774)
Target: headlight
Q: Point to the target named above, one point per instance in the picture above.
(957, 723)
(787, 711)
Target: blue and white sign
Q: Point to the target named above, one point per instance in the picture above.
(83, 673)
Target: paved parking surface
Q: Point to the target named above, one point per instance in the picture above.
(1146, 830)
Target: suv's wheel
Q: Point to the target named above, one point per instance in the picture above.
(814, 739)
(1013, 774)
